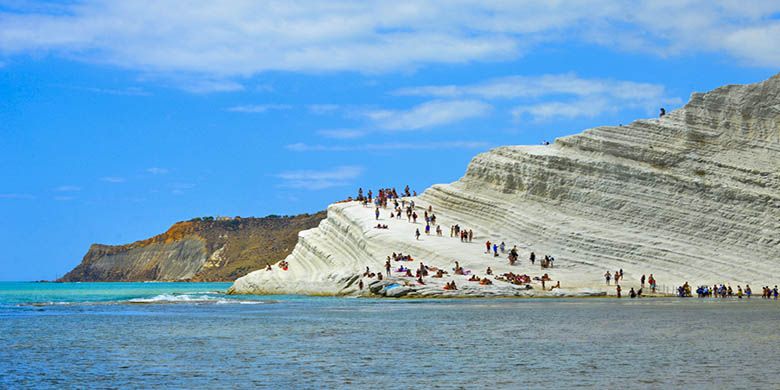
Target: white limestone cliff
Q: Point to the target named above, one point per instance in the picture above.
(693, 196)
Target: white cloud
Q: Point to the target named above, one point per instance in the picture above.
(578, 108)
(16, 196)
(215, 44)
(259, 108)
(113, 179)
(429, 114)
(342, 133)
(320, 179)
(756, 45)
(129, 91)
(157, 171)
(556, 95)
(179, 188)
(514, 87)
(302, 147)
(201, 86)
(68, 188)
(322, 109)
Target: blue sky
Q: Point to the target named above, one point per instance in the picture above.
(119, 118)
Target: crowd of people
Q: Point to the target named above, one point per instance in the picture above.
(725, 291)
(401, 206)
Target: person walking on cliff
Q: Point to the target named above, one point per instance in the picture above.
(642, 280)
(376, 213)
(417, 234)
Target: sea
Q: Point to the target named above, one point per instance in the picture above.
(194, 336)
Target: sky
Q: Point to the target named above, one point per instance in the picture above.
(119, 118)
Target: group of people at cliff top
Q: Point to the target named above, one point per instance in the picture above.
(383, 196)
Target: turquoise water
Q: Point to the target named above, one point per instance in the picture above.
(190, 335)
(27, 293)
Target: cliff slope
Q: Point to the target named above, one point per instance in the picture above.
(197, 250)
(693, 196)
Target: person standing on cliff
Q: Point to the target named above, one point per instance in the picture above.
(417, 234)
(662, 113)
(376, 213)
(532, 257)
(642, 280)
(471, 235)
(387, 268)
(618, 290)
(607, 276)
(487, 247)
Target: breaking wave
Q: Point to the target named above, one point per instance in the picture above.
(194, 298)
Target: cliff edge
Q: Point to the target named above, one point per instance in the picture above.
(196, 250)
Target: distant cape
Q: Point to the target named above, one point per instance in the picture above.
(202, 249)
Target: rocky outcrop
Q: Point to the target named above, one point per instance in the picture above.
(197, 250)
(692, 196)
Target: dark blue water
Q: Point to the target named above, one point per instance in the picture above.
(192, 336)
